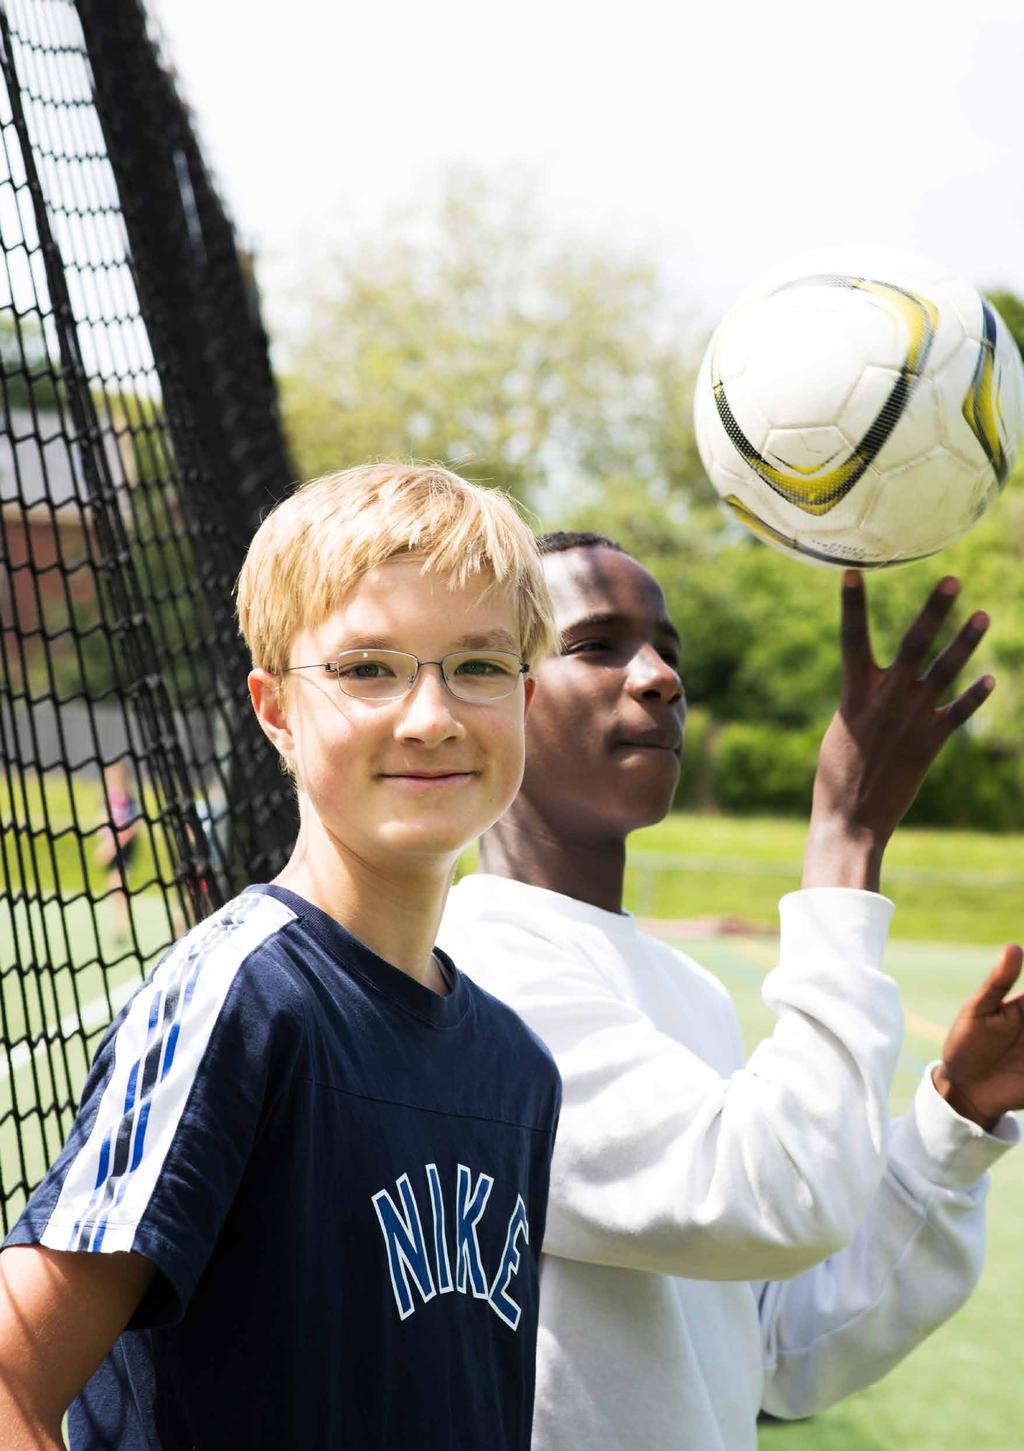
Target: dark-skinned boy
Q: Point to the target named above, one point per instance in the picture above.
(729, 1235)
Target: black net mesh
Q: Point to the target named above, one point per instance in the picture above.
(139, 445)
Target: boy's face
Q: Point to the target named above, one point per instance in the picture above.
(605, 734)
(421, 775)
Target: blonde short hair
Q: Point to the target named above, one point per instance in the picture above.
(315, 546)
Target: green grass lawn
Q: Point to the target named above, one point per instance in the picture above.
(948, 886)
(63, 973)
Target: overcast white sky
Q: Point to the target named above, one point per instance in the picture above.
(724, 136)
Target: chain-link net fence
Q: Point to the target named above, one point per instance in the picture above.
(139, 445)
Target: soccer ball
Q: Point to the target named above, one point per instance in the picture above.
(860, 409)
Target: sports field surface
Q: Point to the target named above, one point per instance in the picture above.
(958, 898)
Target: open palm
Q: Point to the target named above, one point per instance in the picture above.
(891, 722)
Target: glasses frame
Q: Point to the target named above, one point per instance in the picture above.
(333, 667)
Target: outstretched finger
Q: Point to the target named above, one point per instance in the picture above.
(854, 631)
(921, 635)
(947, 666)
(1000, 980)
(961, 709)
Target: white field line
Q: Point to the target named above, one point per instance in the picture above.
(94, 1015)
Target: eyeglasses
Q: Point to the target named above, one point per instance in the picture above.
(476, 676)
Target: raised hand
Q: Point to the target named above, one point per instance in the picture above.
(889, 727)
(982, 1070)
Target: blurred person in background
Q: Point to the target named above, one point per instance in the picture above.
(117, 843)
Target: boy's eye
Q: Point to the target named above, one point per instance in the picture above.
(606, 647)
(365, 670)
(481, 665)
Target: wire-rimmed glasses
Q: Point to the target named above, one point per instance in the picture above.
(476, 676)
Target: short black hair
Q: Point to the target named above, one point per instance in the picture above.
(561, 539)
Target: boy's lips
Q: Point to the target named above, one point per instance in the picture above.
(658, 740)
(428, 778)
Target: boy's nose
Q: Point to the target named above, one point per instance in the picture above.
(426, 712)
(650, 674)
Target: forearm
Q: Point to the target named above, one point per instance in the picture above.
(845, 1324)
(840, 854)
(30, 1336)
(913, 1262)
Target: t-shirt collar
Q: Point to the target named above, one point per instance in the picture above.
(382, 976)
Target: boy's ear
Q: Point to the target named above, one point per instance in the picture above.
(264, 692)
(529, 691)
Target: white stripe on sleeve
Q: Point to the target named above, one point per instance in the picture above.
(157, 1053)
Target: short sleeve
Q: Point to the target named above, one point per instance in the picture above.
(172, 1107)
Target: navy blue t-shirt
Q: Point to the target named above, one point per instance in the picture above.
(341, 1178)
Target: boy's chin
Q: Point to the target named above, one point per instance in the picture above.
(421, 839)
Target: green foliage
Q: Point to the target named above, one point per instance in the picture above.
(694, 790)
(758, 767)
(976, 781)
(468, 335)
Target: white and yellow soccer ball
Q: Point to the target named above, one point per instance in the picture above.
(860, 409)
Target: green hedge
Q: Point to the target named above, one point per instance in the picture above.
(762, 768)
(743, 768)
(696, 788)
(974, 783)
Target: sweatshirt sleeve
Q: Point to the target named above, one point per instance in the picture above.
(914, 1260)
(662, 1164)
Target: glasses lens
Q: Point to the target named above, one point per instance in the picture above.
(481, 674)
(375, 674)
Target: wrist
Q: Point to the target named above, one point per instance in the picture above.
(960, 1101)
(840, 855)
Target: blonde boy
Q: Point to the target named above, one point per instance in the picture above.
(303, 1200)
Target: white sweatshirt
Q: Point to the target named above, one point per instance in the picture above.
(688, 1189)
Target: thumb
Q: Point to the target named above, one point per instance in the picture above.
(989, 997)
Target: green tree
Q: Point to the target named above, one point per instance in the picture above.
(467, 334)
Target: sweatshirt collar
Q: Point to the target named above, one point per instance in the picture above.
(489, 894)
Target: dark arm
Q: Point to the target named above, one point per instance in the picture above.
(887, 731)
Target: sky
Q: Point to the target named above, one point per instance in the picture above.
(722, 138)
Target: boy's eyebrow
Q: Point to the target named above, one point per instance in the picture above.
(491, 640)
(662, 626)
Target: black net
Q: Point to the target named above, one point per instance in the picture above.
(139, 446)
